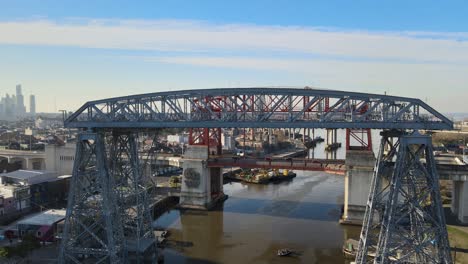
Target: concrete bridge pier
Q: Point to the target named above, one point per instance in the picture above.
(359, 170)
(460, 201)
(202, 187)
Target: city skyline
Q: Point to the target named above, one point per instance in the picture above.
(77, 54)
(13, 107)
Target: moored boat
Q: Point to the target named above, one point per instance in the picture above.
(283, 175)
(350, 248)
(333, 146)
(284, 252)
(262, 176)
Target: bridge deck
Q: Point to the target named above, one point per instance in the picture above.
(446, 171)
(290, 163)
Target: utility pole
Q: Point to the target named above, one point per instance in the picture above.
(463, 150)
(64, 114)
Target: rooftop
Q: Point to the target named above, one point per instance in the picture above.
(48, 217)
(29, 177)
(24, 174)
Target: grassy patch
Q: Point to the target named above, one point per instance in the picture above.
(459, 239)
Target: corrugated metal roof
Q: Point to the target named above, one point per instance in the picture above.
(24, 174)
(48, 218)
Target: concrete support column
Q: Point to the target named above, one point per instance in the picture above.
(455, 198)
(29, 164)
(460, 201)
(25, 164)
(359, 170)
(202, 187)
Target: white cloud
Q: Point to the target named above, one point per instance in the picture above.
(195, 36)
(416, 64)
(387, 72)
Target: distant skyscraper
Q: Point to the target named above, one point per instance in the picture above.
(12, 106)
(20, 108)
(18, 89)
(32, 105)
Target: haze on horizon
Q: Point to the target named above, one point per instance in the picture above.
(68, 53)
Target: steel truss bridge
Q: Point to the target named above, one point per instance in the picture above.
(108, 219)
(259, 108)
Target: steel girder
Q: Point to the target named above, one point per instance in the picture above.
(259, 107)
(404, 220)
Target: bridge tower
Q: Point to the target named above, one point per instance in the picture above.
(360, 161)
(108, 218)
(93, 227)
(404, 220)
(202, 187)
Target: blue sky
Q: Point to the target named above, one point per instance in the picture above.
(68, 52)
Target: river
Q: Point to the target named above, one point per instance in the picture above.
(257, 220)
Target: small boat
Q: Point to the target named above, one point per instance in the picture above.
(333, 146)
(310, 144)
(349, 248)
(283, 175)
(313, 143)
(319, 139)
(284, 252)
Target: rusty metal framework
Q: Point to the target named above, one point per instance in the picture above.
(362, 137)
(210, 137)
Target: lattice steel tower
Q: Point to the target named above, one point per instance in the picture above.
(108, 218)
(404, 220)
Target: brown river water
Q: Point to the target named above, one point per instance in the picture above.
(257, 220)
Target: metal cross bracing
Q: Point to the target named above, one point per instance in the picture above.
(93, 230)
(259, 108)
(132, 195)
(210, 137)
(404, 220)
(108, 217)
(362, 137)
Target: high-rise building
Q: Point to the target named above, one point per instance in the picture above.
(20, 108)
(12, 107)
(32, 105)
(18, 89)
